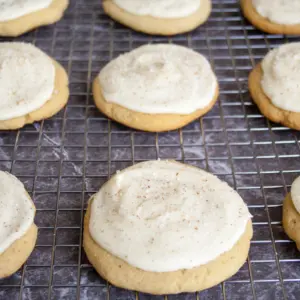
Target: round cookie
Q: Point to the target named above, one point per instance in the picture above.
(153, 268)
(156, 87)
(47, 13)
(273, 90)
(17, 211)
(47, 91)
(266, 24)
(171, 18)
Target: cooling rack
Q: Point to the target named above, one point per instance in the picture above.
(64, 160)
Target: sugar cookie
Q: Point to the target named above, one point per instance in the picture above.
(149, 229)
(273, 16)
(20, 16)
(18, 232)
(32, 85)
(156, 87)
(162, 17)
(274, 86)
(291, 213)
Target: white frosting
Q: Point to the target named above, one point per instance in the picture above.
(295, 193)
(161, 78)
(16, 210)
(164, 216)
(281, 73)
(27, 77)
(13, 9)
(160, 8)
(286, 12)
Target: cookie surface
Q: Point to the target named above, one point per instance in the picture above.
(55, 87)
(160, 26)
(143, 121)
(156, 87)
(291, 220)
(265, 24)
(291, 215)
(29, 21)
(18, 232)
(268, 109)
(148, 228)
(123, 275)
(16, 255)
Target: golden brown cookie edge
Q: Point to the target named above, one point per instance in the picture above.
(291, 220)
(12, 259)
(269, 110)
(265, 24)
(17, 254)
(58, 100)
(158, 26)
(144, 121)
(123, 275)
(46, 16)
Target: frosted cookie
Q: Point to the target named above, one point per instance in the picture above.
(33, 86)
(18, 232)
(273, 16)
(274, 85)
(150, 229)
(156, 87)
(162, 17)
(20, 16)
(291, 213)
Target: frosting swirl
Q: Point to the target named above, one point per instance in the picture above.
(16, 210)
(158, 79)
(295, 193)
(13, 9)
(281, 72)
(286, 12)
(160, 8)
(160, 216)
(27, 78)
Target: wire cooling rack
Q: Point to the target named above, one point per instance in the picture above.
(64, 160)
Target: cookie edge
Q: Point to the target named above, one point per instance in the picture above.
(12, 259)
(265, 24)
(57, 101)
(291, 220)
(158, 26)
(123, 275)
(145, 121)
(49, 15)
(268, 109)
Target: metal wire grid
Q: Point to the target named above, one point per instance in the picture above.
(64, 160)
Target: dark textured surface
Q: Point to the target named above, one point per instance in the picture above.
(65, 159)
